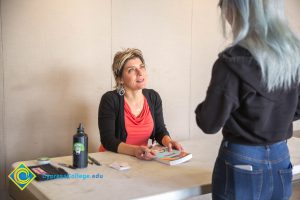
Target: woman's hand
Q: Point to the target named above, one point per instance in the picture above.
(144, 153)
(168, 142)
(173, 144)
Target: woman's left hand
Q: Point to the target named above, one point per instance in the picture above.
(173, 144)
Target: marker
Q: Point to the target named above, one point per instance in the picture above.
(94, 161)
(66, 165)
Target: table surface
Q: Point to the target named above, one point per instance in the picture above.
(145, 179)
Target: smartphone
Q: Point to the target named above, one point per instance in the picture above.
(244, 167)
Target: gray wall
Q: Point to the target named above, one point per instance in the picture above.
(56, 60)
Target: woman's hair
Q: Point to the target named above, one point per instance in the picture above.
(261, 27)
(120, 59)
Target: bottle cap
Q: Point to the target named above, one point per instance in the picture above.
(80, 129)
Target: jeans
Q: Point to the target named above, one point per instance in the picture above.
(244, 172)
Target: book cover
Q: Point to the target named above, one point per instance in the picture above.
(173, 157)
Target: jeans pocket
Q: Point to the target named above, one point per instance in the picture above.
(243, 184)
(286, 176)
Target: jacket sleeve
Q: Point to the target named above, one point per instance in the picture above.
(220, 101)
(160, 127)
(106, 122)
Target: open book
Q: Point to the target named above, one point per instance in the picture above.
(173, 157)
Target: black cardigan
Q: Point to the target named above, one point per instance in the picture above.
(111, 118)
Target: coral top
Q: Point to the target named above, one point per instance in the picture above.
(138, 128)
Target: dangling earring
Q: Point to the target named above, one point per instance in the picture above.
(121, 90)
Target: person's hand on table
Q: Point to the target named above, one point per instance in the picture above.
(173, 144)
(168, 142)
(144, 153)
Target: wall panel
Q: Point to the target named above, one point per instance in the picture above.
(207, 41)
(2, 114)
(162, 30)
(56, 55)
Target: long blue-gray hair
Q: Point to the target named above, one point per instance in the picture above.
(261, 27)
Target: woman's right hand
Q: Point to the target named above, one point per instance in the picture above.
(144, 153)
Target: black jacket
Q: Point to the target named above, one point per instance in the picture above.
(111, 118)
(238, 101)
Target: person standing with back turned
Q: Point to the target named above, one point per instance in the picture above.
(254, 96)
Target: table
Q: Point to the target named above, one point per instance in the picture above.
(145, 179)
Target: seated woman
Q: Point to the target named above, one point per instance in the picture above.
(131, 115)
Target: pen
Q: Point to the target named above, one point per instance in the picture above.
(94, 161)
(66, 165)
(152, 145)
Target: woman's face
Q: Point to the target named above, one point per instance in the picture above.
(134, 76)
